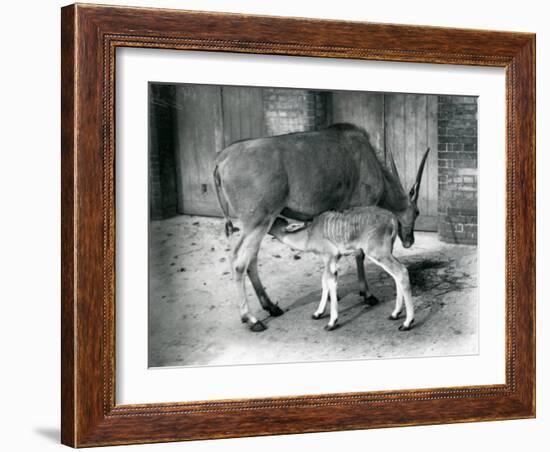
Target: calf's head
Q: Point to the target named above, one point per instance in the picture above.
(294, 235)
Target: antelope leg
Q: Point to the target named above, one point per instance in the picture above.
(364, 291)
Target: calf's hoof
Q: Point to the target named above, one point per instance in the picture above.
(406, 328)
(258, 327)
(329, 327)
(316, 316)
(371, 300)
(275, 311)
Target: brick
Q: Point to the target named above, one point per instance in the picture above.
(467, 172)
(460, 164)
(451, 155)
(449, 139)
(288, 110)
(468, 140)
(466, 211)
(463, 123)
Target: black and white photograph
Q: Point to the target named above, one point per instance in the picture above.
(304, 225)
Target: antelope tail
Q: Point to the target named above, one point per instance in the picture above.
(229, 228)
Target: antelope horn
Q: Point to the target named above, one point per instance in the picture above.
(394, 168)
(415, 190)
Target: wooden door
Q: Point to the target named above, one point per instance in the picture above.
(410, 128)
(364, 110)
(407, 124)
(208, 119)
(199, 136)
(243, 113)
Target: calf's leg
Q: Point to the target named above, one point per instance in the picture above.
(364, 291)
(332, 288)
(398, 303)
(324, 296)
(403, 287)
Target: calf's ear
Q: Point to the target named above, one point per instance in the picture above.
(295, 227)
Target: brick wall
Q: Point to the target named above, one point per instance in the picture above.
(293, 110)
(457, 161)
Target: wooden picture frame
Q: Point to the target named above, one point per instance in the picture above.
(90, 36)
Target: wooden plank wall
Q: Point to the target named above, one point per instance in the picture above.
(208, 119)
(243, 114)
(211, 117)
(406, 124)
(362, 109)
(411, 127)
(199, 136)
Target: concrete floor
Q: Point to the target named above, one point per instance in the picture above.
(194, 319)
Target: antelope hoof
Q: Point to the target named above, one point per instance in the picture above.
(258, 327)
(406, 328)
(316, 316)
(275, 311)
(371, 300)
(391, 317)
(330, 327)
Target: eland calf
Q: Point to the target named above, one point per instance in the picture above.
(371, 230)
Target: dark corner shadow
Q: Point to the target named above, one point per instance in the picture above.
(50, 433)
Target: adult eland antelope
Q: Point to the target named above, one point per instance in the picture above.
(371, 230)
(299, 176)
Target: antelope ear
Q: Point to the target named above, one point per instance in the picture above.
(295, 227)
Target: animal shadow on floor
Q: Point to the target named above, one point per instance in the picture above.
(423, 277)
(346, 293)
